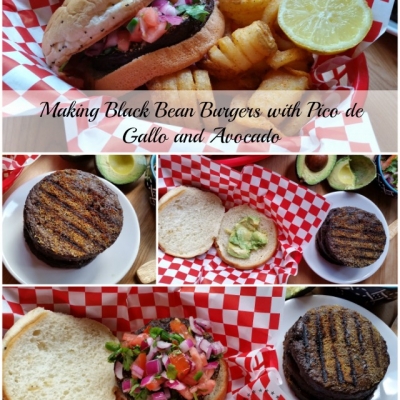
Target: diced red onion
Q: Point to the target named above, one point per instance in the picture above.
(118, 370)
(182, 2)
(217, 348)
(168, 9)
(204, 345)
(176, 385)
(95, 49)
(146, 380)
(194, 327)
(159, 3)
(212, 365)
(163, 345)
(152, 352)
(111, 40)
(171, 19)
(144, 345)
(136, 371)
(126, 385)
(165, 360)
(153, 367)
(158, 396)
(167, 393)
(203, 323)
(186, 345)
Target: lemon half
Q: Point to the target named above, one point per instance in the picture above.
(325, 26)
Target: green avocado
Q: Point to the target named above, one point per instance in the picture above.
(313, 169)
(245, 237)
(121, 169)
(352, 173)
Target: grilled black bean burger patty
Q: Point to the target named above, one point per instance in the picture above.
(351, 237)
(334, 353)
(70, 217)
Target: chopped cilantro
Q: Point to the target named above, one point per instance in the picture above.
(196, 11)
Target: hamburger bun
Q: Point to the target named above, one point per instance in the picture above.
(188, 221)
(49, 355)
(257, 257)
(78, 24)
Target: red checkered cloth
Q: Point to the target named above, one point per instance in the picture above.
(297, 212)
(25, 72)
(245, 320)
(13, 165)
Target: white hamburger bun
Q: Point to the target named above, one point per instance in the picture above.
(49, 355)
(257, 257)
(188, 221)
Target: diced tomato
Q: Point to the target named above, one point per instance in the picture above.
(155, 384)
(132, 340)
(123, 40)
(154, 33)
(204, 388)
(136, 34)
(196, 358)
(149, 16)
(181, 363)
(141, 363)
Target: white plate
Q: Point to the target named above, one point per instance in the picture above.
(392, 28)
(295, 308)
(337, 273)
(107, 268)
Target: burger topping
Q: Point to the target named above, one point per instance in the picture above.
(156, 361)
(149, 25)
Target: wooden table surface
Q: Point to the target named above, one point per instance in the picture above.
(137, 194)
(34, 134)
(387, 274)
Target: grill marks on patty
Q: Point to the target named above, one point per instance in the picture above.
(352, 237)
(334, 352)
(71, 215)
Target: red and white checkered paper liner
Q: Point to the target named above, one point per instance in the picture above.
(13, 165)
(296, 210)
(245, 319)
(25, 71)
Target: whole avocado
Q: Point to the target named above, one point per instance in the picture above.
(313, 169)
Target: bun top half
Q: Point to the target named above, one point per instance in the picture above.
(77, 24)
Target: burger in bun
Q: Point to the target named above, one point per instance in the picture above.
(122, 44)
(170, 358)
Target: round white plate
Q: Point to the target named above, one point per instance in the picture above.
(295, 308)
(337, 273)
(107, 268)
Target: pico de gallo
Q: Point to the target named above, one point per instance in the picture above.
(169, 359)
(389, 169)
(149, 25)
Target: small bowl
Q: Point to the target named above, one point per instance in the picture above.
(150, 179)
(382, 182)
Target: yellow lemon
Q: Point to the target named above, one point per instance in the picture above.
(325, 26)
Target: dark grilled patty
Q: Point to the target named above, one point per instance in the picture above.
(70, 217)
(334, 353)
(175, 34)
(351, 237)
